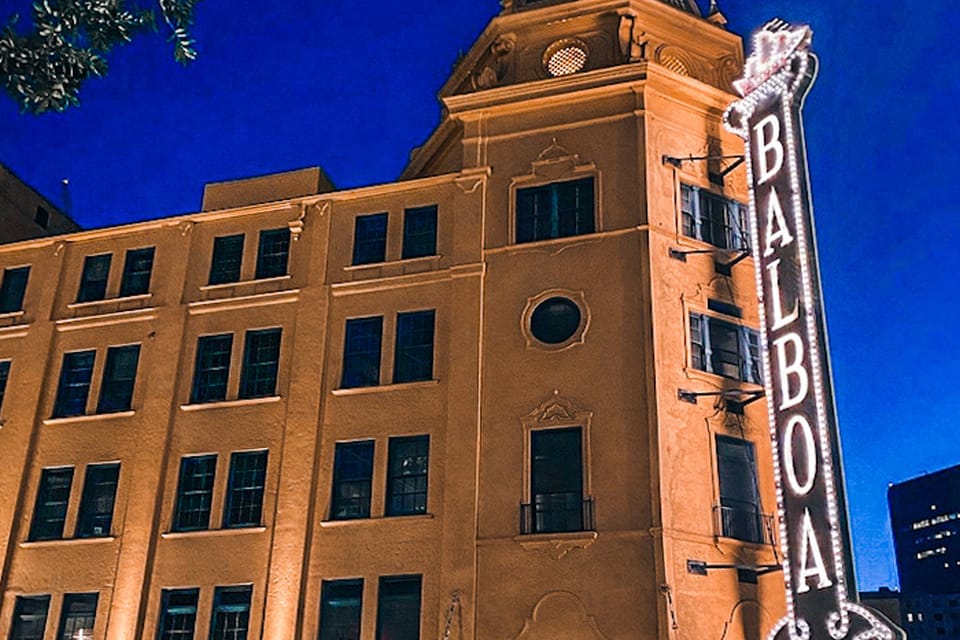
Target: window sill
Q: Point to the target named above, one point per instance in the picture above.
(94, 304)
(93, 417)
(214, 533)
(556, 545)
(226, 404)
(30, 544)
(333, 524)
(226, 286)
(11, 315)
(722, 382)
(387, 263)
(383, 388)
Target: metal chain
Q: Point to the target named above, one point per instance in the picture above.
(454, 604)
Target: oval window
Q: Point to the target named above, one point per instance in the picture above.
(555, 320)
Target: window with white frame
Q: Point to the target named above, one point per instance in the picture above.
(724, 348)
(710, 217)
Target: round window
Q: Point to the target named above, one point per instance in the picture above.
(565, 57)
(555, 320)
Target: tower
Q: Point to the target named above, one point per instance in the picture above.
(507, 396)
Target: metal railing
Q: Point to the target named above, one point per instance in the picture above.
(744, 522)
(556, 513)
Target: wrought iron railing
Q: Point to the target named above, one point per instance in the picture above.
(557, 512)
(744, 522)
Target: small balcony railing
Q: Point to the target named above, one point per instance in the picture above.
(744, 522)
(557, 513)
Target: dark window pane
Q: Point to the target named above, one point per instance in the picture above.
(194, 493)
(361, 352)
(178, 614)
(555, 320)
(244, 506)
(557, 480)
(398, 608)
(407, 475)
(352, 470)
(78, 616)
(119, 376)
(370, 239)
(42, 217)
(261, 353)
(137, 268)
(741, 516)
(74, 384)
(341, 603)
(712, 218)
(724, 348)
(93, 281)
(414, 348)
(419, 232)
(96, 503)
(13, 288)
(4, 375)
(273, 252)
(212, 369)
(555, 210)
(50, 510)
(226, 260)
(231, 613)
(29, 617)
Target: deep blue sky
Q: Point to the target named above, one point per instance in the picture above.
(351, 86)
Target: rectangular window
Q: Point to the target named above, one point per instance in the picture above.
(370, 239)
(712, 218)
(341, 603)
(4, 374)
(93, 281)
(231, 613)
(419, 232)
(724, 348)
(361, 352)
(137, 268)
(740, 514)
(97, 500)
(194, 493)
(178, 614)
(413, 356)
(12, 289)
(29, 617)
(555, 210)
(398, 608)
(50, 511)
(556, 482)
(78, 616)
(273, 252)
(352, 470)
(407, 468)
(261, 353)
(227, 259)
(212, 369)
(119, 375)
(74, 386)
(244, 506)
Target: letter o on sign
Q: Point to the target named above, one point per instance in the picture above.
(808, 459)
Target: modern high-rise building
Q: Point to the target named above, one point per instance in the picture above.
(925, 515)
(507, 396)
(25, 213)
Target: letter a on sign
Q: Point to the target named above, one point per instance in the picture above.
(821, 596)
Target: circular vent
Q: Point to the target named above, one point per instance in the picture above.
(565, 57)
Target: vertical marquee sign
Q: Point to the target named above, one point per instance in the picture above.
(822, 602)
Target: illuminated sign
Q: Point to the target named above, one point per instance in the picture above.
(822, 603)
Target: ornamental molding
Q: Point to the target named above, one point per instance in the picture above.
(556, 411)
(560, 614)
(557, 547)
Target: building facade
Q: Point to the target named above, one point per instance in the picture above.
(507, 396)
(26, 213)
(925, 515)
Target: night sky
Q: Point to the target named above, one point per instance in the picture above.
(352, 87)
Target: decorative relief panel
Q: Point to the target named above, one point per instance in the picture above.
(560, 615)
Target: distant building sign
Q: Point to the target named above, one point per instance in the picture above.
(821, 592)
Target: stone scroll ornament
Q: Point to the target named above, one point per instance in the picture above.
(822, 602)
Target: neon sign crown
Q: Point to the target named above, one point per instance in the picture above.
(772, 47)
